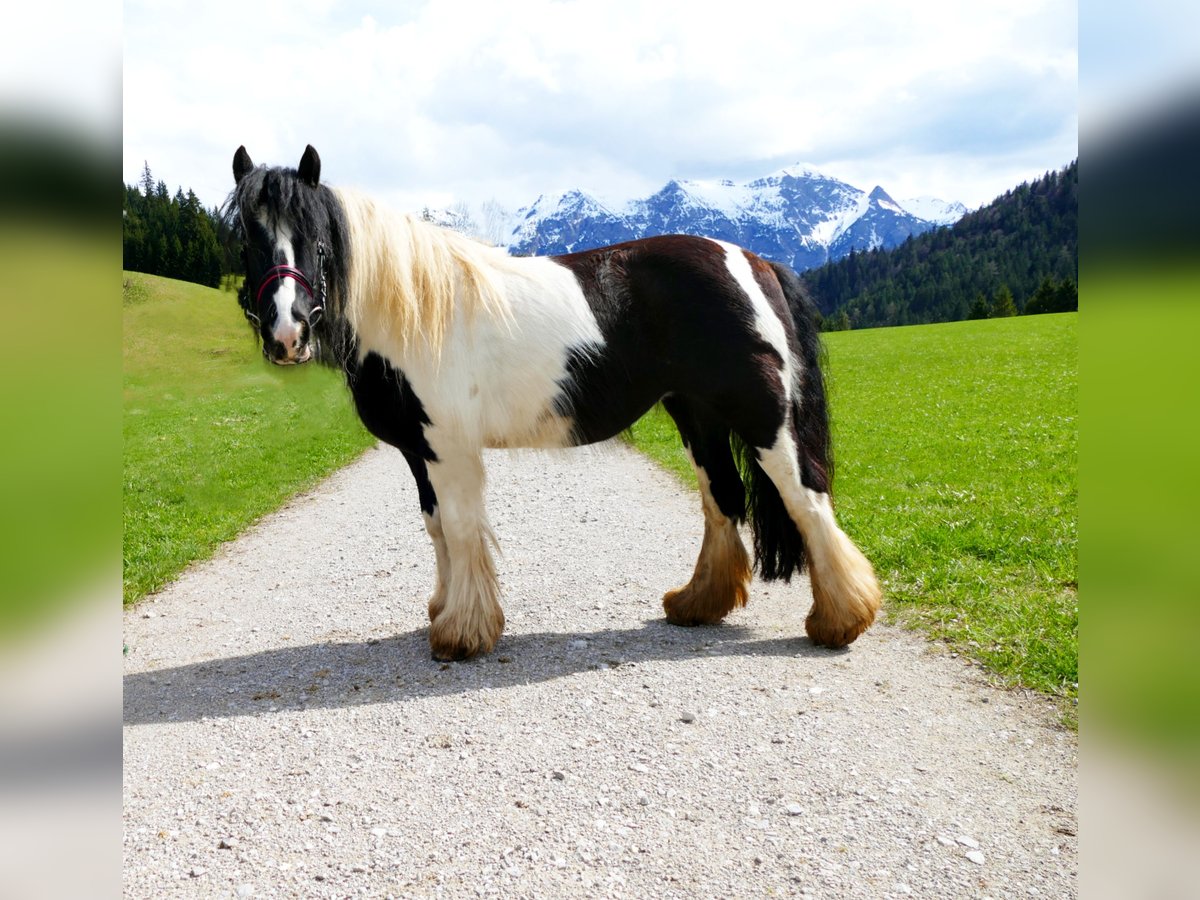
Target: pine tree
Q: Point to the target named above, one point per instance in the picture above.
(839, 322)
(1066, 297)
(980, 309)
(1042, 300)
(1003, 306)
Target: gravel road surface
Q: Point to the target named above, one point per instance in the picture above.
(287, 733)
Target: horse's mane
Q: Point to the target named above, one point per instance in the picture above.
(388, 272)
(409, 278)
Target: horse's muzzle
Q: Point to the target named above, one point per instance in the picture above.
(290, 342)
(280, 355)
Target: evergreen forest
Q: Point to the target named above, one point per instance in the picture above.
(171, 235)
(1017, 255)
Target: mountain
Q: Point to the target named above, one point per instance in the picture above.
(571, 221)
(1026, 240)
(797, 216)
(933, 210)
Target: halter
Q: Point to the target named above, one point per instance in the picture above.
(278, 273)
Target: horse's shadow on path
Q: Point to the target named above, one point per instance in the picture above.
(399, 669)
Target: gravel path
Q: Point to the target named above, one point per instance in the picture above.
(287, 733)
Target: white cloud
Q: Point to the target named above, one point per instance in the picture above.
(443, 100)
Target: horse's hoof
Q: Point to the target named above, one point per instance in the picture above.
(846, 596)
(456, 651)
(835, 636)
(682, 609)
(451, 655)
(461, 637)
(689, 606)
(834, 627)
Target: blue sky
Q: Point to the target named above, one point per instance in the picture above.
(432, 103)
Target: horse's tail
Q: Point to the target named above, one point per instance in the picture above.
(778, 545)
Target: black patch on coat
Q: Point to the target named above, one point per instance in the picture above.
(707, 439)
(674, 320)
(392, 412)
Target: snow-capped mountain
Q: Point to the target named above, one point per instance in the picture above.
(797, 216)
(933, 210)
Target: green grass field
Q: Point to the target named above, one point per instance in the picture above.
(214, 435)
(956, 450)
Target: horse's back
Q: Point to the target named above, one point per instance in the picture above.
(679, 315)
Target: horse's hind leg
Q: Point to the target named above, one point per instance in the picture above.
(846, 594)
(721, 580)
(468, 619)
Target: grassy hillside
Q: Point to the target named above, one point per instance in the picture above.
(956, 454)
(214, 435)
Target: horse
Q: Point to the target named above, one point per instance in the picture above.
(450, 346)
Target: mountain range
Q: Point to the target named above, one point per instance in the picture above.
(797, 216)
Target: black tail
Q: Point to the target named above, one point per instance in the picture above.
(778, 545)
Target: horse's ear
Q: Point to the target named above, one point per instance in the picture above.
(242, 164)
(310, 166)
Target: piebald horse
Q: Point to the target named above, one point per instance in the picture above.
(449, 346)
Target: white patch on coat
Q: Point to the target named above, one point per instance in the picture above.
(287, 329)
(495, 381)
(766, 322)
(808, 508)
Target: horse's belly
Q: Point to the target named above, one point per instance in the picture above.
(500, 399)
(550, 430)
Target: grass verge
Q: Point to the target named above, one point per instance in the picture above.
(214, 436)
(956, 454)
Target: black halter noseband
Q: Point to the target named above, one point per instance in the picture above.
(278, 273)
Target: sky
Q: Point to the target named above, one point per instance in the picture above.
(429, 104)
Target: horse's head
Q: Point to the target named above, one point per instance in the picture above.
(283, 224)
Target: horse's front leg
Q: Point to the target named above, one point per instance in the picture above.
(468, 620)
(433, 526)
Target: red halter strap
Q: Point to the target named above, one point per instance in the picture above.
(277, 273)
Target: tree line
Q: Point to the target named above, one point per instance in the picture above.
(1017, 255)
(172, 235)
